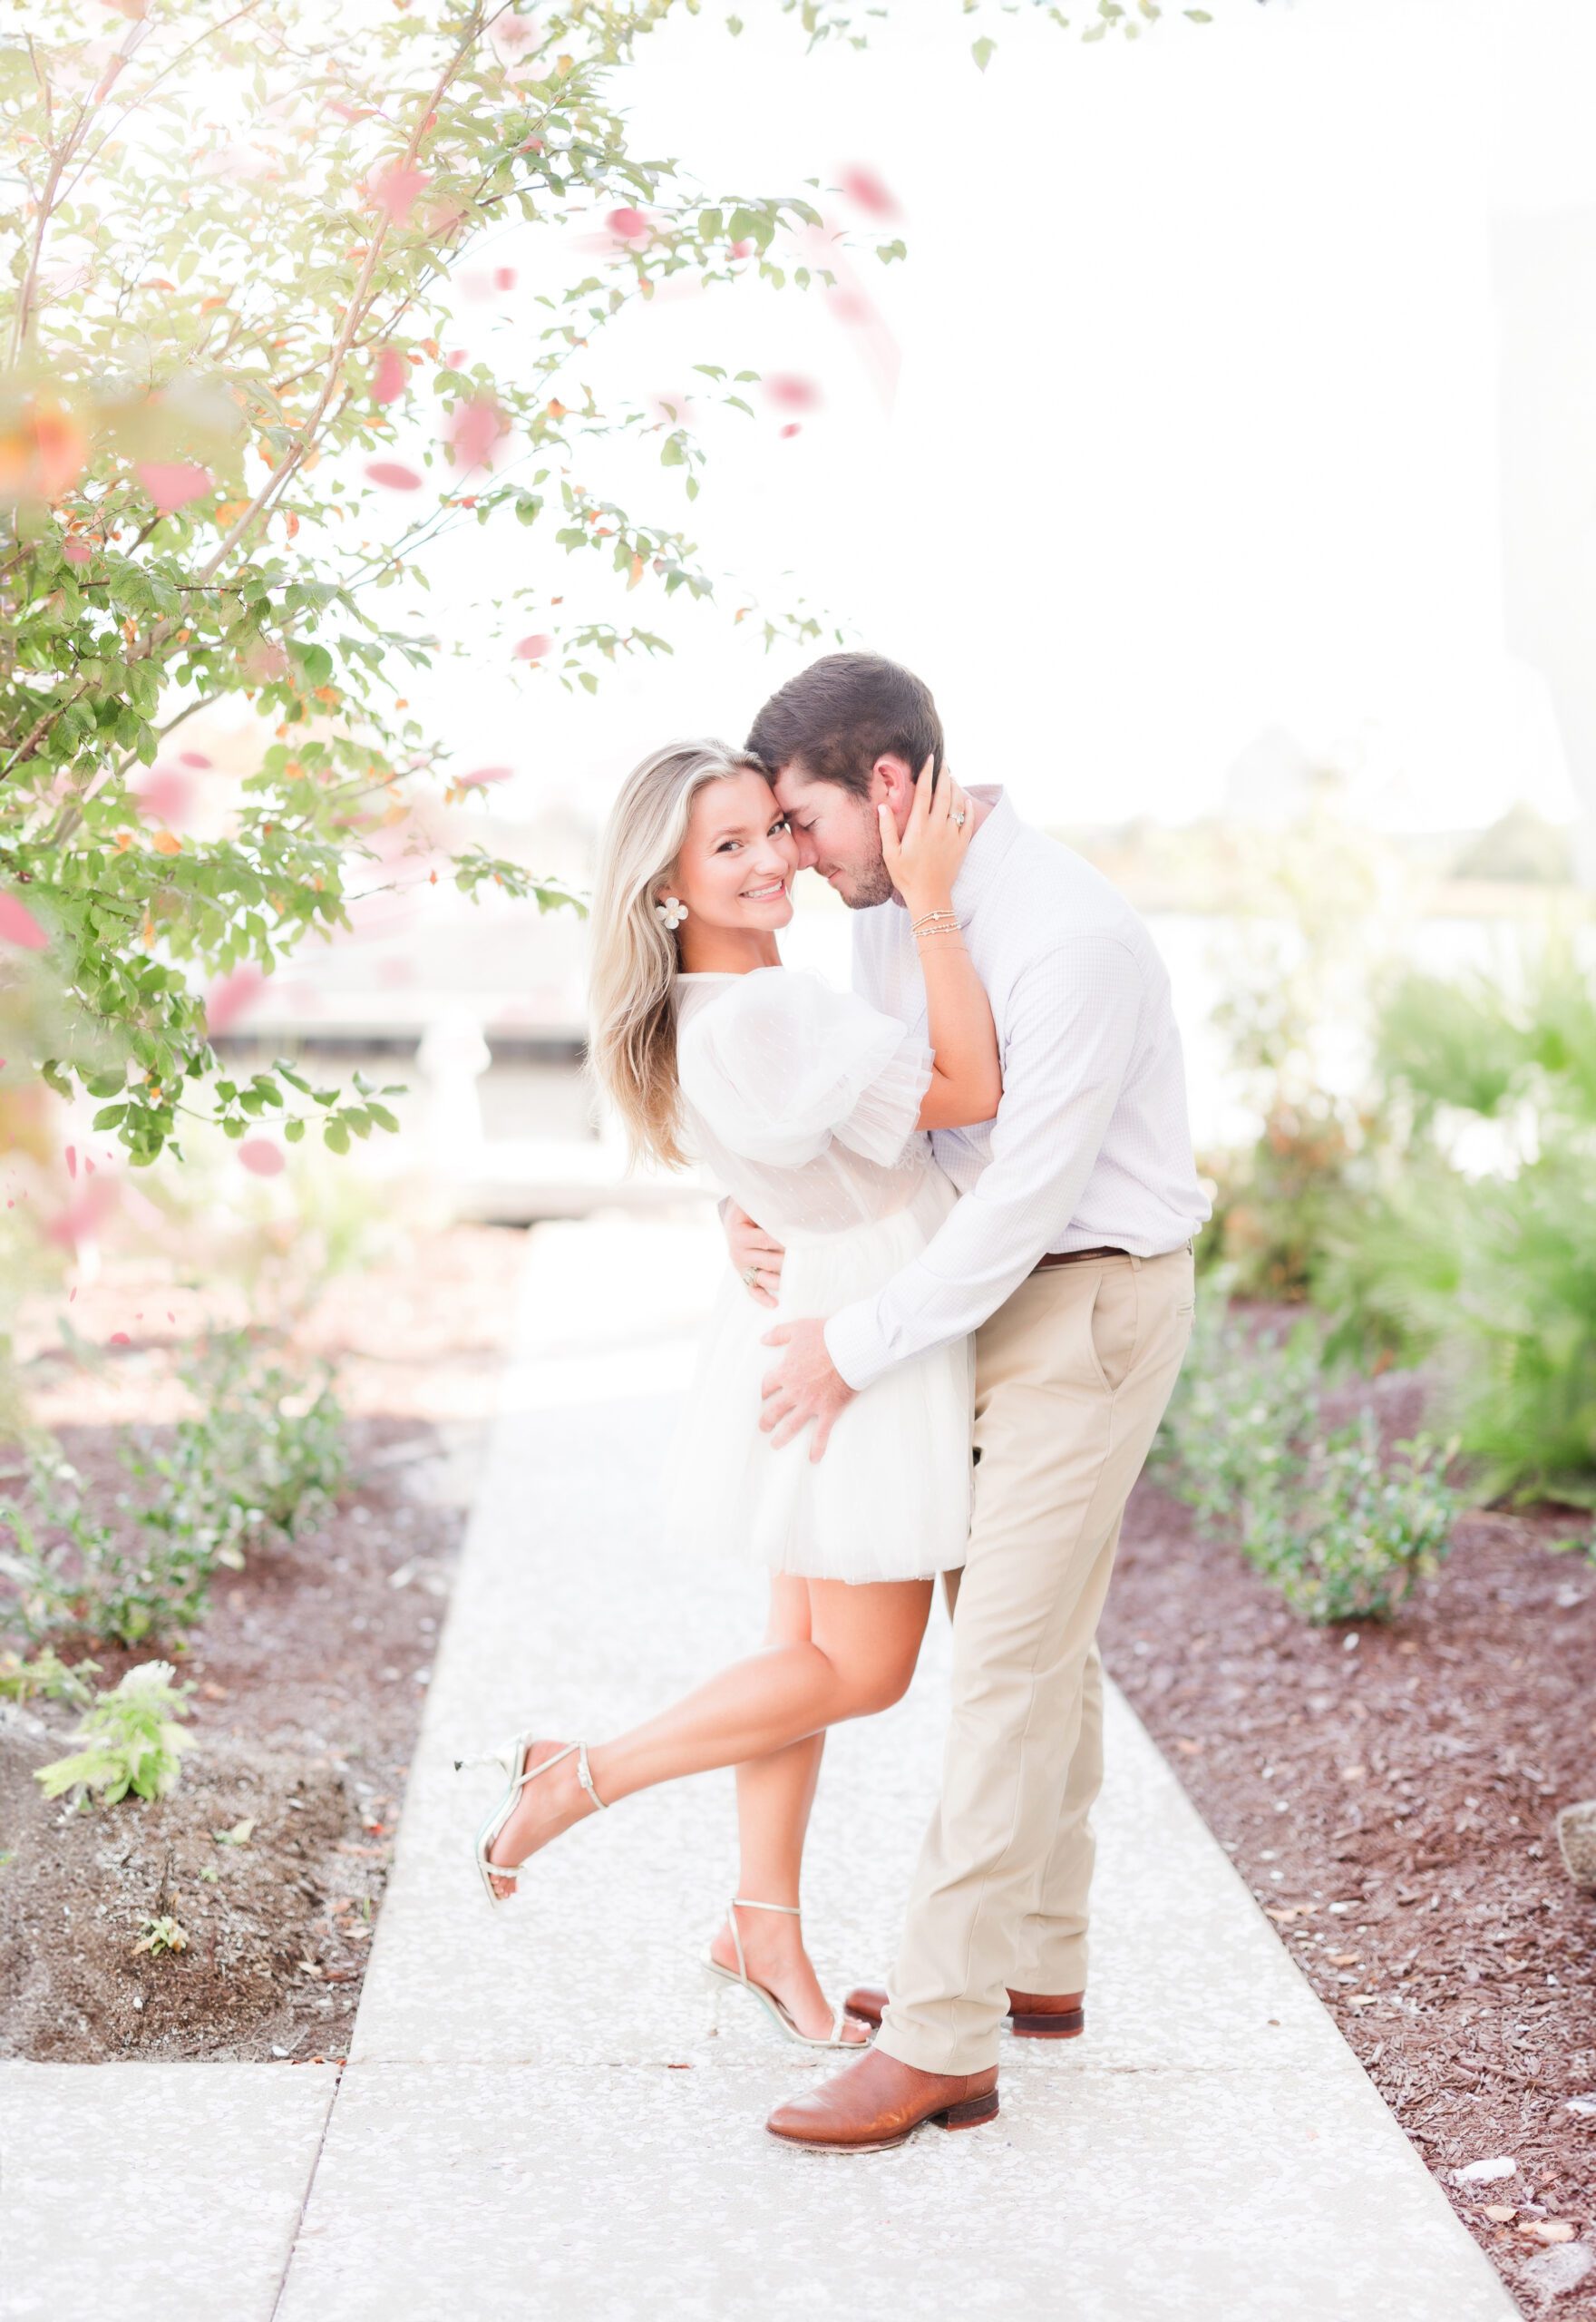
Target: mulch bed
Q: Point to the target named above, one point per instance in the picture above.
(1388, 1794)
(310, 1677)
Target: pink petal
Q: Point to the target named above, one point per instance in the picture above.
(396, 477)
(77, 553)
(261, 1156)
(192, 757)
(474, 429)
(504, 278)
(396, 189)
(72, 1160)
(532, 649)
(629, 224)
(869, 192)
(484, 774)
(120, 1337)
(173, 484)
(392, 375)
(229, 997)
(792, 393)
(164, 796)
(792, 427)
(18, 925)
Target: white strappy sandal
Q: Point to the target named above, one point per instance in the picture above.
(511, 1759)
(775, 2008)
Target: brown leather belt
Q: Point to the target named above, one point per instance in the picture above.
(1075, 1257)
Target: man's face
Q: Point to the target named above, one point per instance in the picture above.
(837, 834)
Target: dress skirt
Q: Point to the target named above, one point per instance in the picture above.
(890, 1497)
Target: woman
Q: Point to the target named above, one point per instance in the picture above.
(812, 1109)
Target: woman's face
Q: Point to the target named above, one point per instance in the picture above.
(737, 859)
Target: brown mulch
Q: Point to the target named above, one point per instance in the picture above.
(310, 1676)
(1388, 1795)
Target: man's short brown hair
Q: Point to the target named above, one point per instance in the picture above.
(834, 720)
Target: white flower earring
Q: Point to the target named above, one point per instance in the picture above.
(672, 911)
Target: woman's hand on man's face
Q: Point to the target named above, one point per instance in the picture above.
(923, 864)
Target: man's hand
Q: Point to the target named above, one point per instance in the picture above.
(752, 1247)
(806, 1385)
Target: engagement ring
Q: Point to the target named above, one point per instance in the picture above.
(750, 1276)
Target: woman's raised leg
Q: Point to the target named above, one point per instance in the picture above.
(859, 1657)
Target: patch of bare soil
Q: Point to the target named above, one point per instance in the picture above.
(1388, 1795)
(310, 1676)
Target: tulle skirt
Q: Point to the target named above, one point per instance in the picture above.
(889, 1500)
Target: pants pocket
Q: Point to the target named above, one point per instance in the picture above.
(1114, 1327)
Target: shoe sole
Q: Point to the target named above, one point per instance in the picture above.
(1067, 2025)
(969, 2114)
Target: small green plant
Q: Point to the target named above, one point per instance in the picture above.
(130, 1741)
(48, 1677)
(1343, 1532)
(1357, 1531)
(161, 1935)
(275, 1446)
(265, 1452)
(73, 1571)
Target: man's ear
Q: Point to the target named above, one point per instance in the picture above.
(897, 780)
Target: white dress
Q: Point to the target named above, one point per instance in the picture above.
(802, 1100)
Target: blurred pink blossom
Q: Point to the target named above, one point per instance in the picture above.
(394, 191)
(861, 182)
(230, 996)
(392, 375)
(18, 926)
(173, 484)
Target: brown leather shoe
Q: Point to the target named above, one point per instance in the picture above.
(878, 2103)
(1032, 2015)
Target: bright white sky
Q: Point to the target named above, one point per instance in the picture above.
(1194, 426)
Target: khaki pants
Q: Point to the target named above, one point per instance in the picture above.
(1072, 1377)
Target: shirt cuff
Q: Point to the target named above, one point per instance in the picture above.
(856, 1345)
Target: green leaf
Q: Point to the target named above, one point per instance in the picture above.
(982, 51)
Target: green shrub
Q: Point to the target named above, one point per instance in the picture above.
(1491, 1274)
(1341, 1531)
(130, 1739)
(264, 1454)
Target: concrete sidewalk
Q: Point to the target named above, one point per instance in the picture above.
(535, 2119)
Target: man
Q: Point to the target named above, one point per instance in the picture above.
(1069, 1255)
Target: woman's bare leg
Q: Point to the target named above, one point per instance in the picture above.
(859, 1657)
(774, 1796)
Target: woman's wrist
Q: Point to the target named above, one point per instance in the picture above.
(921, 906)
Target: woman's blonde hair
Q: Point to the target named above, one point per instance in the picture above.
(634, 962)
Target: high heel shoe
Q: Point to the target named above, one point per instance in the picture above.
(775, 2008)
(509, 1760)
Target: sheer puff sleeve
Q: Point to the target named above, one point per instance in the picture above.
(781, 1062)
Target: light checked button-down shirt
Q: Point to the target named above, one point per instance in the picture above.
(1091, 1143)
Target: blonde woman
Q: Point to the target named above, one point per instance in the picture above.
(812, 1110)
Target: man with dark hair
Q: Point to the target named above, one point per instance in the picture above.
(1069, 1255)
